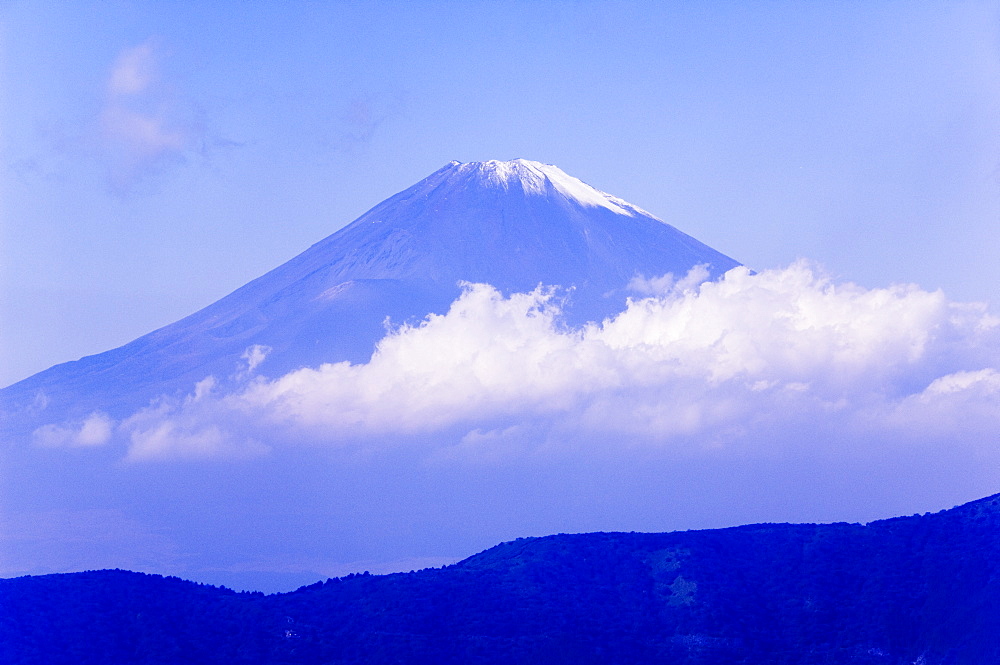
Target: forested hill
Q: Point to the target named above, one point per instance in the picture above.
(922, 589)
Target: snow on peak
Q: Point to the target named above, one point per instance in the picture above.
(539, 179)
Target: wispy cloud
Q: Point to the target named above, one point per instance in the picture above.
(360, 119)
(95, 430)
(145, 125)
(134, 71)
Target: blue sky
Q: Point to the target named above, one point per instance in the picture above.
(863, 136)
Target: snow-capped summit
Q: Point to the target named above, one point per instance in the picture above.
(539, 179)
(513, 224)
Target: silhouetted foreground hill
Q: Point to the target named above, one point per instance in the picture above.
(922, 589)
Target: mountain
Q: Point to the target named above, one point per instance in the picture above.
(921, 589)
(513, 224)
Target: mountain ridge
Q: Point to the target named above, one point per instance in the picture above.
(917, 589)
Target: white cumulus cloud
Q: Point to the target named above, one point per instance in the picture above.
(749, 360)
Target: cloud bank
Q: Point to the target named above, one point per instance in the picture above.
(753, 363)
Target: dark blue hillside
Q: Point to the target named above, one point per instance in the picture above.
(920, 589)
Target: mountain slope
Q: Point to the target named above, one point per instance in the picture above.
(919, 589)
(513, 224)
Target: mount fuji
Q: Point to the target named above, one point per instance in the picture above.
(512, 224)
(403, 393)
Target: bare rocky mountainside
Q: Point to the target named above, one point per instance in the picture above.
(923, 589)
